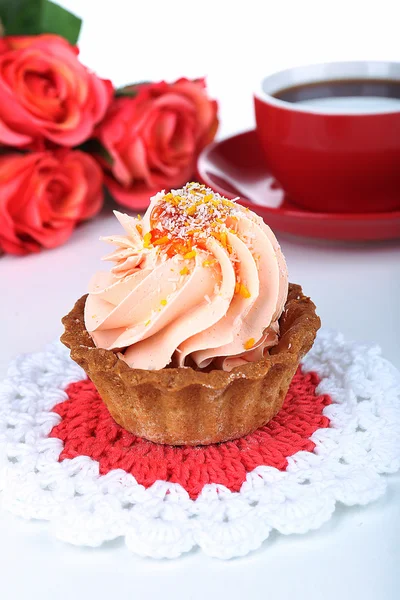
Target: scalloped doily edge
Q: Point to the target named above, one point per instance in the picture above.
(85, 508)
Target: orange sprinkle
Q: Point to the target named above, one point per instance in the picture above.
(139, 228)
(147, 240)
(184, 271)
(249, 344)
(244, 291)
(223, 238)
(237, 287)
(163, 302)
(190, 254)
(162, 240)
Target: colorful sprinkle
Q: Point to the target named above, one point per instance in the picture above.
(147, 240)
(243, 291)
(162, 240)
(249, 344)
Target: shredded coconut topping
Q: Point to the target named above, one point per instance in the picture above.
(185, 216)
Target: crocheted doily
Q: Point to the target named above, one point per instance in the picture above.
(63, 458)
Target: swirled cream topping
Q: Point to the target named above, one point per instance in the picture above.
(200, 281)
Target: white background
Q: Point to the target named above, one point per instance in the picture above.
(356, 288)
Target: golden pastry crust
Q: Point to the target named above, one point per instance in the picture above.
(184, 406)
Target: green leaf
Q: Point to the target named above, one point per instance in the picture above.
(131, 90)
(95, 147)
(21, 17)
(31, 17)
(56, 19)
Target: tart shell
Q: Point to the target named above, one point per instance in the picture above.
(184, 406)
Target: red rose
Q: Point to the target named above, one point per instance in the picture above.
(154, 138)
(43, 195)
(46, 93)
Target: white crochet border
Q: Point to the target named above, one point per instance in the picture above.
(85, 508)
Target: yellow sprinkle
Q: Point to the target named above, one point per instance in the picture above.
(208, 197)
(244, 291)
(184, 271)
(162, 240)
(220, 220)
(190, 254)
(139, 217)
(172, 199)
(227, 202)
(94, 316)
(147, 323)
(191, 210)
(147, 240)
(163, 302)
(139, 228)
(249, 344)
(208, 263)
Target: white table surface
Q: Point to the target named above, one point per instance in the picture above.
(356, 555)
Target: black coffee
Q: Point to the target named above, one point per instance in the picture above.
(345, 93)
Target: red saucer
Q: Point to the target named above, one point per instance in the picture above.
(235, 167)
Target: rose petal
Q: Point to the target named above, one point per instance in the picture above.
(46, 93)
(43, 197)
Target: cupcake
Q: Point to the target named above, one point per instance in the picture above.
(194, 334)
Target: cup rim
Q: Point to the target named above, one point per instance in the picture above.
(326, 72)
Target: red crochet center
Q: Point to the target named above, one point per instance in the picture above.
(87, 428)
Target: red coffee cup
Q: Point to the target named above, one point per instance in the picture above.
(333, 155)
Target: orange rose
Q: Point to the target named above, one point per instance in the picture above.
(154, 138)
(46, 93)
(43, 195)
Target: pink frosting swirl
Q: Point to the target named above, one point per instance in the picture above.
(200, 281)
